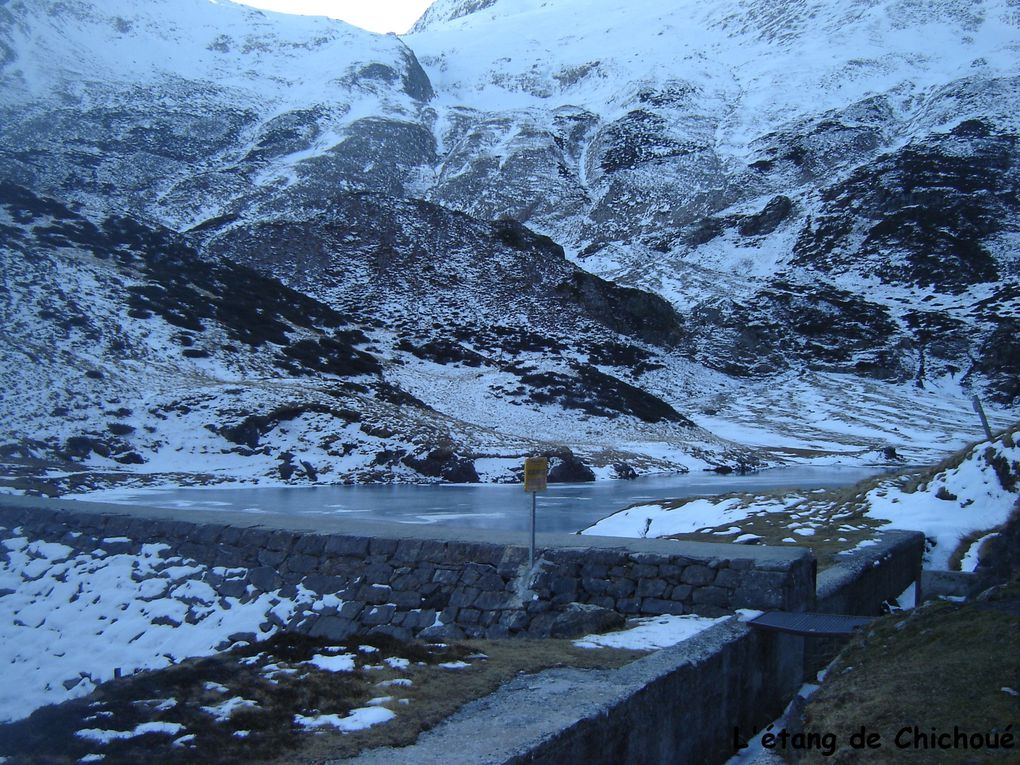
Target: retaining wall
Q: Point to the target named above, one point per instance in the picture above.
(863, 580)
(403, 581)
(682, 705)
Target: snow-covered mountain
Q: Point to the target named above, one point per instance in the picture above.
(630, 235)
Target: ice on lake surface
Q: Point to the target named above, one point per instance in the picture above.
(563, 508)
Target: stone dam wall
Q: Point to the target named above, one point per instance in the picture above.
(334, 578)
(407, 581)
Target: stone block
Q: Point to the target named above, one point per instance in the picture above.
(232, 588)
(761, 590)
(537, 606)
(208, 533)
(264, 578)
(291, 578)
(280, 540)
(344, 545)
(628, 605)
(651, 588)
(489, 600)
(378, 573)
(728, 577)
(374, 593)
(408, 551)
(351, 609)
(513, 557)
(230, 535)
(405, 599)
(698, 575)
(681, 560)
(334, 628)
(594, 585)
(382, 546)
(433, 551)
(473, 552)
(541, 624)
(713, 596)
(657, 606)
(708, 610)
(681, 592)
(620, 587)
(255, 538)
(229, 556)
(462, 597)
(445, 576)
(301, 564)
(652, 559)
(310, 544)
(417, 619)
(488, 579)
(323, 585)
(644, 571)
(190, 550)
(373, 615)
(670, 571)
(267, 557)
(514, 621)
(397, 633)
(468, 616)
(583, 619)
(563, 585)
(602, 600)
(411, 581)
(140, 529)
(445, 631)
(184, 530)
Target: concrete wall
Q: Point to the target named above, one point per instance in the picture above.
(678, 706)
(861, 582)
(699, 694)
(403, 580)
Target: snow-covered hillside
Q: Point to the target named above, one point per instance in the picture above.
(961, 504)
(630, 235)
(770, 168)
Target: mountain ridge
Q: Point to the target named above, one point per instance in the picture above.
(601, 240)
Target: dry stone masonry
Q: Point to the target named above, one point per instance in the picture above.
(407, 583)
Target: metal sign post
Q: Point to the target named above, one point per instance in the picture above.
(536, 474)
(984, 420)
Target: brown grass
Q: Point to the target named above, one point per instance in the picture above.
(941, 666)
(270, 734)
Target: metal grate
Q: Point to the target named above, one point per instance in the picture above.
(811, 625)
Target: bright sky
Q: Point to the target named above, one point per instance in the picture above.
(376, 15)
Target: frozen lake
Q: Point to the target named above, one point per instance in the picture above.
(563, 508)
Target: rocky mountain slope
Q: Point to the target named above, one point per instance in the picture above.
(247, 245)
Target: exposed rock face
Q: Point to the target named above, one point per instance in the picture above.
(356, 257)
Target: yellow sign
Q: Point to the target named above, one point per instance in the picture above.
(536, 471)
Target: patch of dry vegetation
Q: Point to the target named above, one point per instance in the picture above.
(276, 682)
(945, 667)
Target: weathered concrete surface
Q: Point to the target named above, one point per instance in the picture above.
(678, 706)
(868, 576)
(861, 582)
(955, 584)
